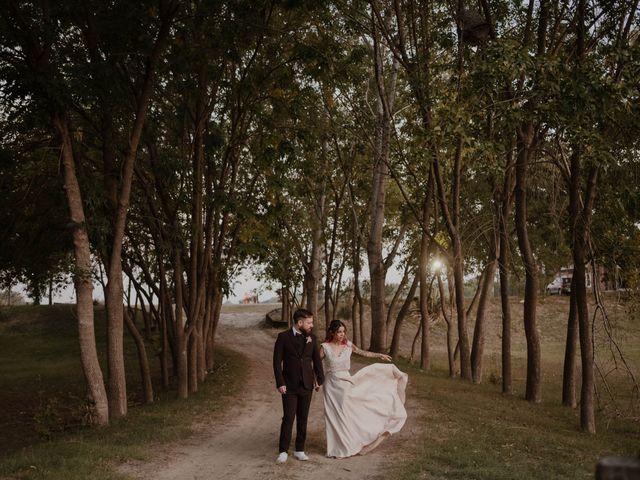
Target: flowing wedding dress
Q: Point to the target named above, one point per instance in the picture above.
(361, 409)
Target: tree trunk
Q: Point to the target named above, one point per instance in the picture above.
(486, 289)
(451, 217)
(165, 314)
(355, 321)
(386, 89)
(115, 345)
(114, 290)
(192, 355)
(395, 341)
(580, 231)
(395, 299)
(414, 343)
(587, 392)
(450, 329)
(182, 340)
(533, 388)
(423, 271)
(215, 318)
(82, 280)
(569, 373)
(503, 261)
(313, 272)
(357, 308)
(329, 312)
(143, 360)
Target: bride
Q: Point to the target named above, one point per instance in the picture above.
(361, 409)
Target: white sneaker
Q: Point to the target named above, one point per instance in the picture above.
(300, 456)
(282, 458)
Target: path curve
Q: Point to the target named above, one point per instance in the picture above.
(243, 445)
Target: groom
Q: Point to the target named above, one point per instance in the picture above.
(296, 362)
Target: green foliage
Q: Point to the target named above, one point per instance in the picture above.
(35, 244)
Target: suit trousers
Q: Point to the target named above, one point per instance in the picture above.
(295, 406)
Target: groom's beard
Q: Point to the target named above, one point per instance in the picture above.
(304, 331)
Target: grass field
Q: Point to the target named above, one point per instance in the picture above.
(475, 432)
(42, 400)
(470, 431)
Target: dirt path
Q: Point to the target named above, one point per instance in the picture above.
(243, 445)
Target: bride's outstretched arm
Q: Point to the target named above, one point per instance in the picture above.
(366, 353)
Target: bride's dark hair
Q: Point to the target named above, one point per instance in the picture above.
(333, 328)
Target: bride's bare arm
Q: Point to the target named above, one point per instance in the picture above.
(365, 353)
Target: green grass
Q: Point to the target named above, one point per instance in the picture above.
(470, 431)
(475, 432)
(42, 401)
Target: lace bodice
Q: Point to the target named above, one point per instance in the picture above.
(334, 362)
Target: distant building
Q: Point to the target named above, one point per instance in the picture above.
(607, 280)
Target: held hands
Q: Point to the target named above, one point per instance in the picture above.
(282, 389)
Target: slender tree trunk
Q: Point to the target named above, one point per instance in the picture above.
(361, 317)
(217, 307)
(415, 343)
(192, 361)
(533, 388)
(587, 392)
(580, 232)
(406, 305)
(165, 315)
(569, 374)
(503, 261)
(82, 280)
(423, 271)
(424, 340)
(313, 272)
(355, 321)
(338, 291)
(356, 307)
(425, 315)
(143, 360)
(458, 274)
(377, 269)
(115, 345)
(450, 329)
(486, 289)
(182, 340)
(114, 290)
(329, 312)
(395, 299)
(284, 309)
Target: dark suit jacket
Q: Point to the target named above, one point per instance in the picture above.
(296, 366)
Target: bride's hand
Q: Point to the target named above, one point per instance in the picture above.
(385, 357)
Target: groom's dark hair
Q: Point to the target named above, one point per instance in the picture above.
(300, 314)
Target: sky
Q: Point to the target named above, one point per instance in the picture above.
(246, 282)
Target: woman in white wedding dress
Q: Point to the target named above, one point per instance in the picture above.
(364, 408)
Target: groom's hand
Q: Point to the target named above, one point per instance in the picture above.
(282, 389)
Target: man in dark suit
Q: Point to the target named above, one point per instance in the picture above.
(298, 369)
